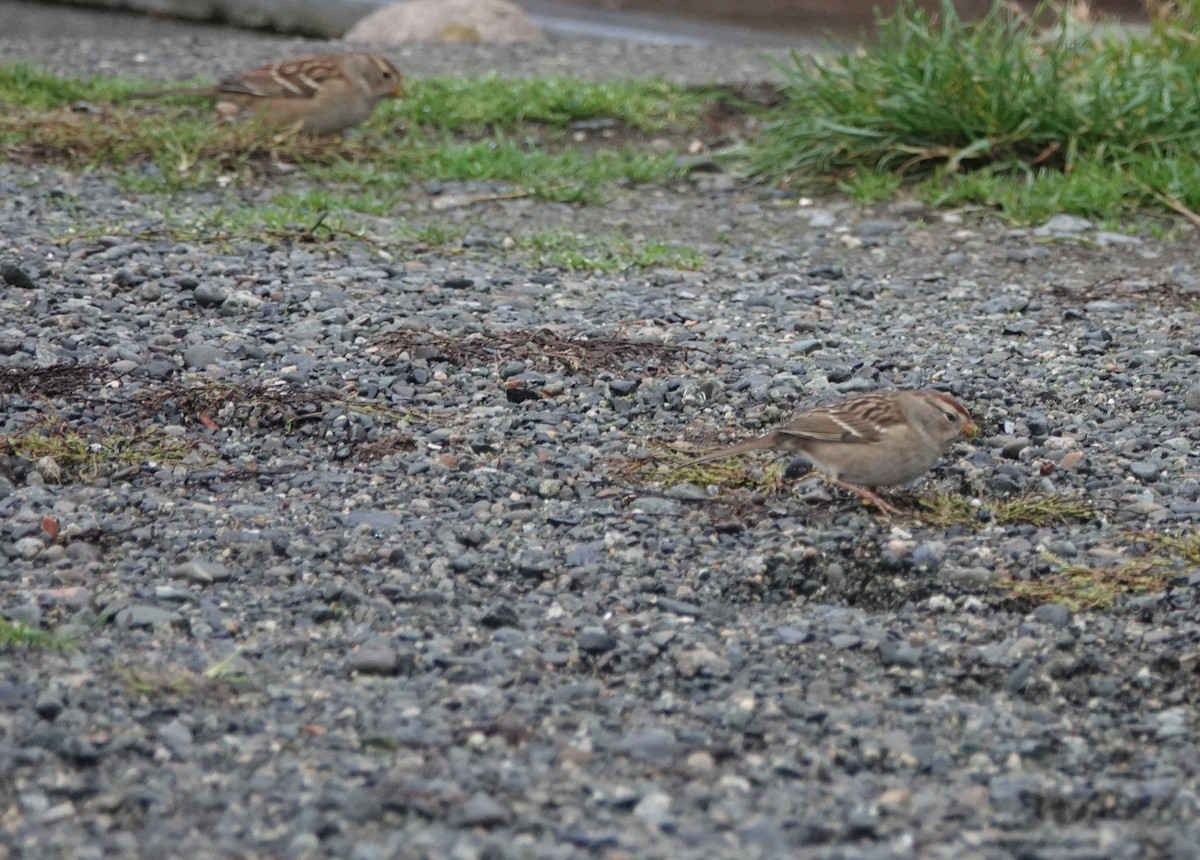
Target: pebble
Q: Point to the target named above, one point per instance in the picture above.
(374, 658)
(649, 745)
(17, 277)
(144, 616)
(596, 640)
(203, 571)
(1064, 224)
(700, 660)
(202, 355)
(481, 810)
(1145, 470)
(209, 296)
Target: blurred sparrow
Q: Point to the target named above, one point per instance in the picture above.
(881, 439)
(314, 95)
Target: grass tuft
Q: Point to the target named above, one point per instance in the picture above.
(1000, 111)
(63, 454)
(1080, 587)
(13, 633)
(945, 509)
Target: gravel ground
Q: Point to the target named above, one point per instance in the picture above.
(405, 596)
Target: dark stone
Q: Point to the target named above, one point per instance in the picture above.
(208, 296)
(679, 607)
(595, 640)
(899, 654)
(500, 614)
(15, 276)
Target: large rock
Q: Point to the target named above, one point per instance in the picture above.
(496, 21)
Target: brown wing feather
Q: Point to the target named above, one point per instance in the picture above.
(829, 425)
(857, 419)
(301, 78)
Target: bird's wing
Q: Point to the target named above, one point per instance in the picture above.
(302, 79)
(831, 425)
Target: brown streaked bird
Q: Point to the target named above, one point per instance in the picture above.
(882, 439)
(321, 94)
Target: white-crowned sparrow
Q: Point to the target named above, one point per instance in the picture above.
(315, 95)
(881, 439)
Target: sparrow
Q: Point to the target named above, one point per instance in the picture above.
(321, 94)
(881, 439)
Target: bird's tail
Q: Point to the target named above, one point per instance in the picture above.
(174, 91)
(734, 450)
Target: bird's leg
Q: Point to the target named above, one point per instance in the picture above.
(870, 496)
(289, 132)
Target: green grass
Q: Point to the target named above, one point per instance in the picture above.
(516, 133)
(24, 86)
(568, 250)
(373, 182)
(13, 633)
(870, 186)
(1032, 121)
(473, 103)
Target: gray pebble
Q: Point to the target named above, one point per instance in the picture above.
(1064, 224)
(1145, 470)
(49, 704)
(202, 355)
(139, 615)
(82, 551)
(209, 296)
(15, 276)
(804, 346)
(1054, 614)
(175, 735)
(899, 654)
(595, 640)
(878, 227)
(481, 810)
(701, 661)
(203, 571)
(374, 658)
(654, 505)
(649, 745)
(28, 547)
(679, 607)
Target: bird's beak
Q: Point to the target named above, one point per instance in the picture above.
(971, 430)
